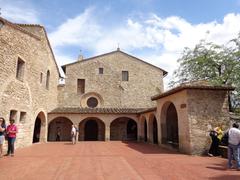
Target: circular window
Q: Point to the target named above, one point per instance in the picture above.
(92, 102)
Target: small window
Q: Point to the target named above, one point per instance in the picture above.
(20, 69)
(124, 75)
(100, 70)
(92, 102)
(48, 79)
(13, 115)
(1, 24)
(81, 86)
(41, 77)
(23, 116)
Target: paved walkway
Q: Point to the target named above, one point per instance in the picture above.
(109, 161)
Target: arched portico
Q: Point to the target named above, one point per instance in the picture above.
(39, 128)
(59, 129)
(92, 129)
(169, 125)
(123, 128)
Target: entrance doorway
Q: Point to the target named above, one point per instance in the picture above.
(145, 130)
(172, 125)
(91, 131)
(131, 130)
(155, 131)
(37, 130)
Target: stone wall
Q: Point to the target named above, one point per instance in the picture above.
(207, 109)
(144, 82)
(198, 111)
(28, 95)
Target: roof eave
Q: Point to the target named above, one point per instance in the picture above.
(180, 88)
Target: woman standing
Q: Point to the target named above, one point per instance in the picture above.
(216, 136)
(2, 137)
(11, 133)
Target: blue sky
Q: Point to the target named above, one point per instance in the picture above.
(154, 30)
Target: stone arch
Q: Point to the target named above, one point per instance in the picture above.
(169, 124)
(153, 128)
(92, 129)
(59, 129)
(143, 129)
(39, 129)
(123, 128)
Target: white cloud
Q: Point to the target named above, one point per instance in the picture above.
(164, 38)
(19, 12)
(81, 30)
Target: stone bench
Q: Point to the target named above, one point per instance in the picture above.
(223, 151)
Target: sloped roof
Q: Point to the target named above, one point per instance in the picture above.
(193, 86)
(48, 42)
(94, 57)
(17, 27)
(147, 110)
(21, 28)
(78, 110)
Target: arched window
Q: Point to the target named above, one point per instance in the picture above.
(48, 79)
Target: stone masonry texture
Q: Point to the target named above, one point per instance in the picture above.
(30, 98)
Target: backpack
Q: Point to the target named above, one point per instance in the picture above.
(224, 140)
(213, 133)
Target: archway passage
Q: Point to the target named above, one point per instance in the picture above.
(59, 129)
(92, 129)
(145, 130)
(37, 130)
(123, 129)
(155, 131)
(172, 125)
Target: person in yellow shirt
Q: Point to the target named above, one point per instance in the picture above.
(216, 136)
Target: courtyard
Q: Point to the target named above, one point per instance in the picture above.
(110, 160)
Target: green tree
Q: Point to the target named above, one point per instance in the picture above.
(219, 65)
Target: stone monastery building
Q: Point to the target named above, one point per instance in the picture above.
(113, 96)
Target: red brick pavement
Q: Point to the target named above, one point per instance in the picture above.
(110, 161)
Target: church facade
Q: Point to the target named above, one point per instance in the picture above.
(113, 96)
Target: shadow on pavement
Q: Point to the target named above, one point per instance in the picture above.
(149, 148)
(226, 177)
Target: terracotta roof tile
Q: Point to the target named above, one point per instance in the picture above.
(193, 86)
(78, 110)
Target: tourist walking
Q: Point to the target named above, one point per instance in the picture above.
(233, 146)
(2, 134)
(73, 134)
(11, 134)
(77, 133)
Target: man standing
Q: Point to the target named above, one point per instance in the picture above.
(233, 146)
(73, 134)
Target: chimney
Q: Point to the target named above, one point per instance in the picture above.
(80, 57)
